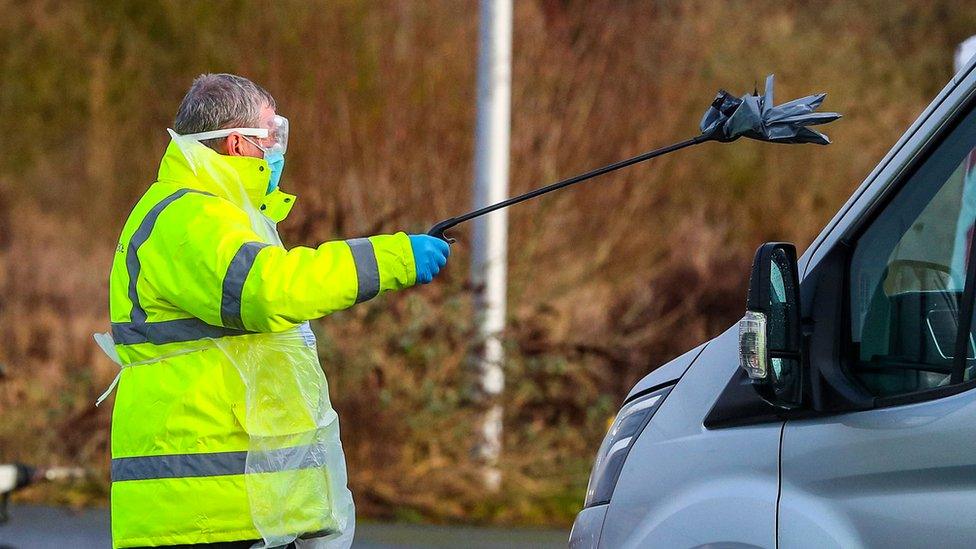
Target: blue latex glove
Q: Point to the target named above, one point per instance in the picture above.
(430, 255)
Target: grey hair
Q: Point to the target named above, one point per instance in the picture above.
(218, 101)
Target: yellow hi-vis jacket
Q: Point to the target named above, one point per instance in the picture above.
(195, 293)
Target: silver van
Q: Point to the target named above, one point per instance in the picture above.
(841, 410)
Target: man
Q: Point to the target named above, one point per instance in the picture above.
(222, 432)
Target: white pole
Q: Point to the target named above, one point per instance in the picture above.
(490, 233)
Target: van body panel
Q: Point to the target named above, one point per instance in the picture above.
(588, 527)
(670, 372)
(684, 486)
(903, 476)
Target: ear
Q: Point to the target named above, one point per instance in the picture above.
(234, 145)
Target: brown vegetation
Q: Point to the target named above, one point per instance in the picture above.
(607, 281)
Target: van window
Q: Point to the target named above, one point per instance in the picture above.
(908, 270)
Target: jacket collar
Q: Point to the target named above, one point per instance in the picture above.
(218, 174)
(277, 205)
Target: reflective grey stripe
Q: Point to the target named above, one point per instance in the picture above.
(139, 238)
(178, 466)
(168, 331)
(230, 300)
(367, 271)
(215, 464)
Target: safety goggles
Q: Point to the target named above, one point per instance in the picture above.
(269, 139)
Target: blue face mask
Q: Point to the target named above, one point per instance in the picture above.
(275, 157)
(276, 162)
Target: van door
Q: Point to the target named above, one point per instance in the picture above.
(902, 474)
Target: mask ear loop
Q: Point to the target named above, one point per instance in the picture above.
(263, 148)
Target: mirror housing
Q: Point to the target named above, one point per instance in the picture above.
(770, 348)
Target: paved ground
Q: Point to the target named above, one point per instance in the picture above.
(33, 527)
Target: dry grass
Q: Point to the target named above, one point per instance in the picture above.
(607, 281)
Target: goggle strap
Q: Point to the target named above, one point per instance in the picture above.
(260, 133)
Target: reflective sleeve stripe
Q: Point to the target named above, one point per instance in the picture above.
(216, 464)
(168, 331)
(139, 238)
(240, 266)
(367, 271)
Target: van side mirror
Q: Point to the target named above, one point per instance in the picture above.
(769, 333)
